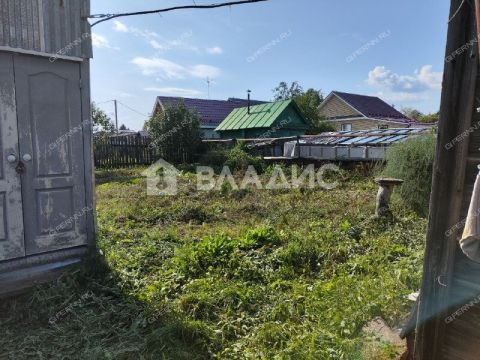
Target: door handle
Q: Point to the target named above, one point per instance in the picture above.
(20, 168)
(11, 158)
(27, 157)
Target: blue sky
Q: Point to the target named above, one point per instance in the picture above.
(392, 49)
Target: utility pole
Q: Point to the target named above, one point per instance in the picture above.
(208, 84)
(116, 114)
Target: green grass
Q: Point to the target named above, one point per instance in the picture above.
(284, 274)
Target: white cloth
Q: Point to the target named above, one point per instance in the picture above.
(470, 241)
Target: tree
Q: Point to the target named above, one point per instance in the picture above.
(308, 102)
(430, 118)
(411, 113)
(101, 121)
(175, 133)
(284, 92)
(123, 127)
(421, 117)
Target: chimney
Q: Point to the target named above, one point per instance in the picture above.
(248, 92)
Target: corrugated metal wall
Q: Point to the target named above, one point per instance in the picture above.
(48, 26)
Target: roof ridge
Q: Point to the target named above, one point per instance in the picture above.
(228, 101)
(355, 94)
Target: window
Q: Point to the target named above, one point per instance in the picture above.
(346, 127)
(382, 127)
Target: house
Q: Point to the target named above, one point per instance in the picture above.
(270, 120)
(46, 188)
(210, 112)
(349, 112)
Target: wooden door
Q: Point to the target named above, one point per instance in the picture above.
(51, 153)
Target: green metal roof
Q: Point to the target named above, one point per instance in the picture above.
(261, 116)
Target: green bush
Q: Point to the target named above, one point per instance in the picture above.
(215, 158)
(239, 159)
(412, 161)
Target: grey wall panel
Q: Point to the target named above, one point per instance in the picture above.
(49, 26)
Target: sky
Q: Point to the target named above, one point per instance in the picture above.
(386, 48)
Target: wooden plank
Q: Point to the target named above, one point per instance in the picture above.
(76, 32)
(55, 35)
(41, 25)
(89, 172)
(37, 53)
(3, 25)
(18, 23)
(47, 26)
(446, 201)
(23, 22)
(87, 50)
(29, 26)
(11, 17)
(67, 28)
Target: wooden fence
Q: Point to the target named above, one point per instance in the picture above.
(124, 151)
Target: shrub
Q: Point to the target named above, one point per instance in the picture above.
(412, 161)
(215, 158)
(239, 159)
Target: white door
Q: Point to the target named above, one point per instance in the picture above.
(50, 128)
(42, 179)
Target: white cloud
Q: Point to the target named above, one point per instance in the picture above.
(402, 96)
(432, 79)
(148, 35)
(156, 45)
(164, 68)
(216, 50)
(203, 71)
(120, 27)
(422, 80)
(124, 94)
(101, 42)
(155, 39)
(172, 91)
(161, 67)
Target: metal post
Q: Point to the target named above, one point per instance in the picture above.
(116, 114)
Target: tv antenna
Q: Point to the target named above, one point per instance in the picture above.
(209, 82)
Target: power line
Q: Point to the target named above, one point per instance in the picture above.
(132, 109)
(103, 102)
(106, 17)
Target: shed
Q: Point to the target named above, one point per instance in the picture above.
(270, 120)
(46, 171)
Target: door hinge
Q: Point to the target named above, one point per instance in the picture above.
(80, 83)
